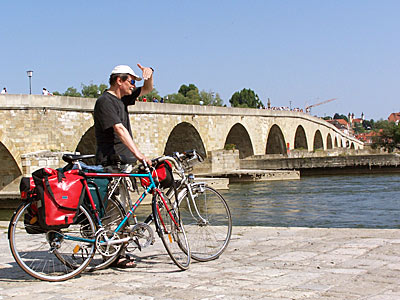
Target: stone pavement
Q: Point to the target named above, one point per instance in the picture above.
(260, 263)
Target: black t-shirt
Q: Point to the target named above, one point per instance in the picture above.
(108, 111)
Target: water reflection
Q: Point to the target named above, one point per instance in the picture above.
(363, 201)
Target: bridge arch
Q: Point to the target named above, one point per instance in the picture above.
(239, 136)
(87, 144)
(184, 136)
(336, 142)
(276, 142)
(329, 141)
(11, 166)
(300, 139)
(318, 142)
(352, 146)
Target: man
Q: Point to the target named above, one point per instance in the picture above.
(111, 118)
(112, 126)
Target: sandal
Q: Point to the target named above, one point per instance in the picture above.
(124, 262)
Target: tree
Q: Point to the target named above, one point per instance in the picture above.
(210, 98)
(358, 128)
(93, 90)
(368, 125)
(184, 89)
(246, 98)
(150, 96)
(193, 98)
(189, 94)
(381, 124)
(72, 92)
(337, 116)
(388, 137)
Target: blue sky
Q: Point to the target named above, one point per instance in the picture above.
(286, 50)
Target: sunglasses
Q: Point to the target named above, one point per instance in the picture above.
(132, 81)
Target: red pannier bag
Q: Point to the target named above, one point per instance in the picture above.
(60, 195)
(162, 173)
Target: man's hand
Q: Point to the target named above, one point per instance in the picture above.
(148, 161)
(147, 72)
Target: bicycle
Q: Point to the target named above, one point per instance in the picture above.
(204, 212)
(62, 254)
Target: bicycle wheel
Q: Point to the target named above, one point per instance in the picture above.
(170, 229)
(53, 255)
(208, 222)
(114, 214)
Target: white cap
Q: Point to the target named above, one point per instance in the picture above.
(123, 69)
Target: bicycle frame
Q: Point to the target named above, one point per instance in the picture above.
(190, 187)
(151, 188)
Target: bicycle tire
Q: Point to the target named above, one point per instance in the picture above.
(114, 214)
(52, 255)
(171, 232)
(208, 231)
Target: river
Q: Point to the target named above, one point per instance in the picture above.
(356, 201)
(361, 201)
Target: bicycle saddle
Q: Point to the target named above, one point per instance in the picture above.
(69, 158)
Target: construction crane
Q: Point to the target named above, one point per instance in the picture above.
(308, 108)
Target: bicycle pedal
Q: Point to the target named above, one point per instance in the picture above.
(136, 241)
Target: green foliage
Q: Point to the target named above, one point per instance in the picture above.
(230, 147)
(211, 98)
(368, 125)
(337, 116)
(358, 128)
(72, 92)
(388, 136)
(246, 98)
(185, 89)
(381, 124)
(93, 90)
(190, 95)
(150, 96)
(57, 93)
(187, 94)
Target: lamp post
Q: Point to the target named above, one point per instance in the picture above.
(30, 73)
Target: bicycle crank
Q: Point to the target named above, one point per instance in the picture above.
(142, 236)
(108, 242)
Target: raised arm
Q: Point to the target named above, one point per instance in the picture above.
(148, 80)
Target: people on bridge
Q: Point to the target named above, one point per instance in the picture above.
(112, 126)
(45, 92)
(4, 91)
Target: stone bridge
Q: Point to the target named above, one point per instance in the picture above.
(34, 123)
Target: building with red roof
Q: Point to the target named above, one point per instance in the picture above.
(394, 117)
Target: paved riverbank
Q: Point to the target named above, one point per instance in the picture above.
(260, 263)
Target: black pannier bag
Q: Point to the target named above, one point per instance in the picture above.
(60, 195)
(31, 217)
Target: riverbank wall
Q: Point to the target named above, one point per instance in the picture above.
(341, 164)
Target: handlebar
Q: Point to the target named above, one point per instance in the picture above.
(189, 155)
(176, 159)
